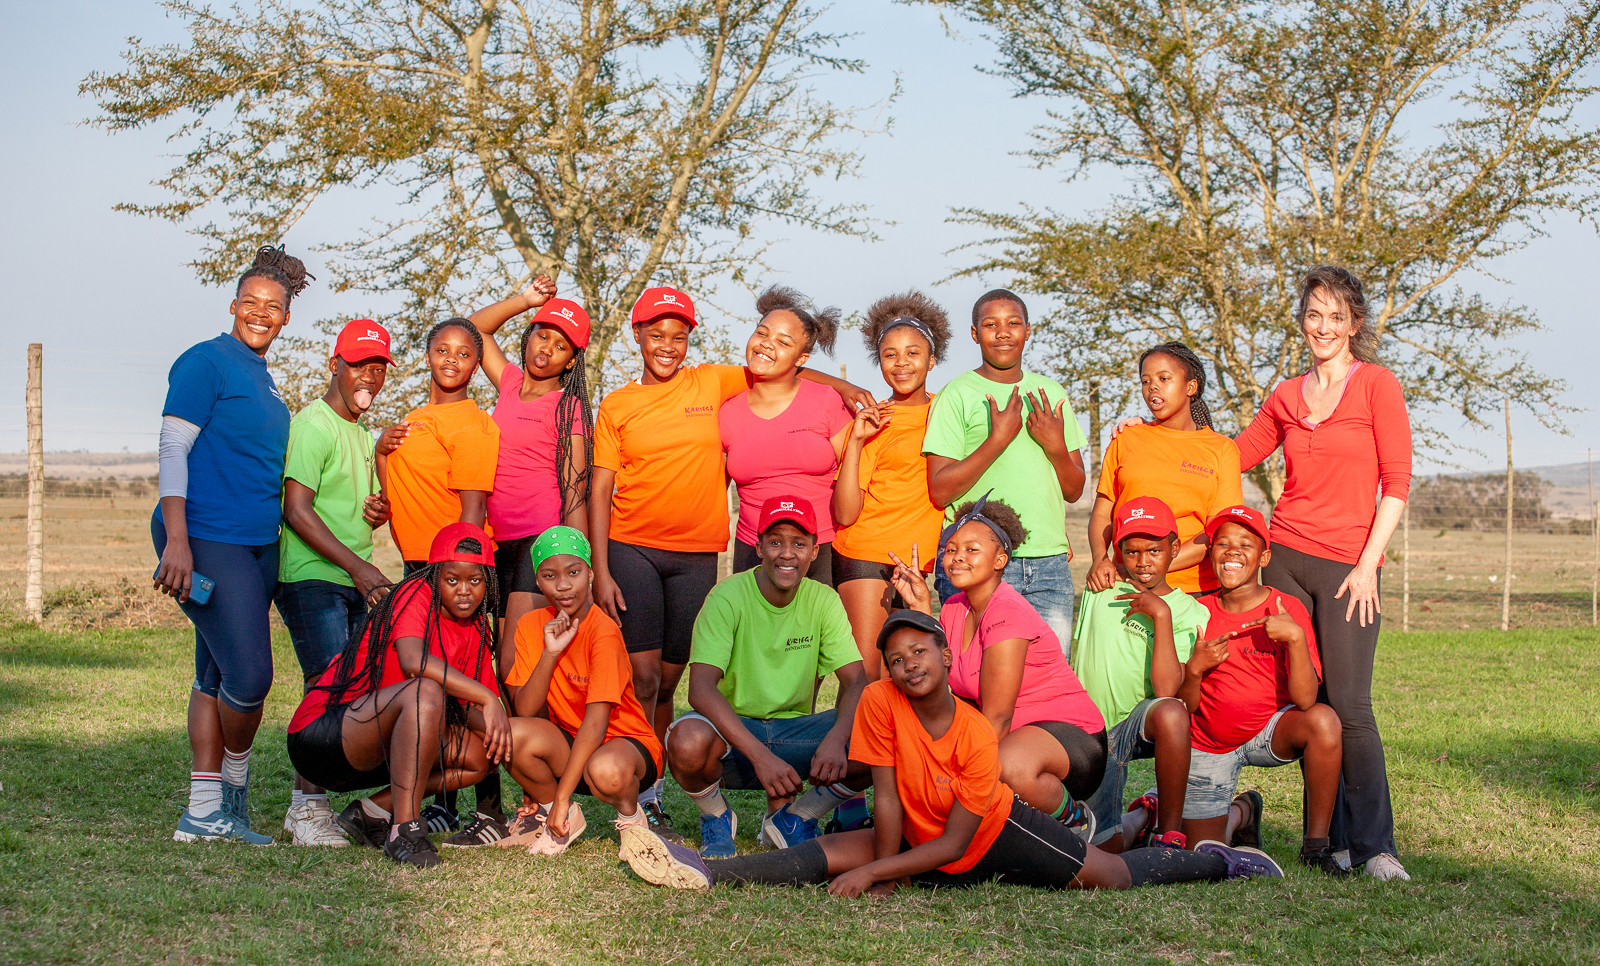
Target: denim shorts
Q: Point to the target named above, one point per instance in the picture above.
(1044, 582)
(795, 740)
(1213, 779)
(322, 617)
(1124, 743)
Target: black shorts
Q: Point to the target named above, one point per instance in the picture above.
(664, 591)
(1032, 849)
(410, 567)
(317, 751)
(513, 569)
(650, 773)
(1085, 752)
(846, 569)
(746, 558)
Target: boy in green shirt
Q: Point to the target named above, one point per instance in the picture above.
(1132, 642)
(763, 641)
(975, 443)
(331, 505)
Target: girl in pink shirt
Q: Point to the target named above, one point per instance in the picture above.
(783, 435)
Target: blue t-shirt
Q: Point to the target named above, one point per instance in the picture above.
(236, 465)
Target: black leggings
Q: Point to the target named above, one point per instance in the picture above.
(1086, 755)
(1363, 819)
(664, 591)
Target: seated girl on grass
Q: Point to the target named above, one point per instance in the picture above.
(412, 705)
(943, 817)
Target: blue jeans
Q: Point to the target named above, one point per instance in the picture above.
(322, 617)
(795, 740)
(1044, 582)
(1125, 742)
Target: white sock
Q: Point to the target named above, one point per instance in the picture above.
(315, 800)
(637, 818)
(651, 794)
(373, 811)
(236, 766)
(297, 798)
(817, 802)
(710, 801)
(205, 792)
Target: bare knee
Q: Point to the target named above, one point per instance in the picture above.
(607, 775)
(691, 746)
(1169, 720)
(1324, 725)
(430, 697)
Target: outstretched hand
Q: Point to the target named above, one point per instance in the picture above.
(908, 580)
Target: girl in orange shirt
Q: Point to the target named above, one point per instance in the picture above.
(1175, 456)
(942, 815)
(881, 494)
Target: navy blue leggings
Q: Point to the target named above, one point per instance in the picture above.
(232, 641)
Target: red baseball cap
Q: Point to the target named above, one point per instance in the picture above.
(790, 508)
(1146, 516)
(444, 545)
(363, 339)
(566, 316)
(656, 302)
(1244, 516)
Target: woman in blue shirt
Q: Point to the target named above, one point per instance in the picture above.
(224, 430)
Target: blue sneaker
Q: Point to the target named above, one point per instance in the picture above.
(236, 805)
(661, 862)
(783, 829)
(218, 826)
(1243, 862)
(716, 835)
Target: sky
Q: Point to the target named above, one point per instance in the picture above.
(112, 299)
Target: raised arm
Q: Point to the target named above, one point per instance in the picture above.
(489, 319)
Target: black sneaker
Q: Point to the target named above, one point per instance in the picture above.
(482, 830)
(411, 846)
(440, 819)
(1249, 833)
(363, 828)
(659, 823)
(1322, 859)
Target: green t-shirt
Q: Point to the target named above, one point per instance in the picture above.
(1022, 475)
(771, 657)
(333, 456)
(1112, 649)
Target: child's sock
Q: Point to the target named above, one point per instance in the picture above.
(373, 811)
(488, 792)
(710, 801)
(236, 766)
(297, 798)
(637, 818)
(853, 811)
(803, 864)
(1066, 803)
(205, 792)
(1158, 866)
(315, 798)
(818, 801)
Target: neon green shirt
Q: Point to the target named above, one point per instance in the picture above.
(333, 456)
(1112, 649)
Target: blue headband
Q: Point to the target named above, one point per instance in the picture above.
(976, 513)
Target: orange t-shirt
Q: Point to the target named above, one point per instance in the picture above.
(451, 447)
(932, 775)
(897, 510)
(664, 445)
(593, 668)
(1194, 473)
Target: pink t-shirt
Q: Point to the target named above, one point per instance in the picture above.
(526, 499)
(1050, 691)
(790, 454)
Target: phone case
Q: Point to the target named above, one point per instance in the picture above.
(199, 590)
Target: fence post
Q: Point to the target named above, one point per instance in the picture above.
(1594, 531)
(1095, 449)
(1405, 568)
(1511, 481)
(33, 596)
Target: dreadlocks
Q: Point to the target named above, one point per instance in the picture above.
(1198, 410)
(281, 267)
(573, 408)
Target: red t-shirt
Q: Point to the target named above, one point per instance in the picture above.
(457, 642)
(1333, 469)
(931, 775)
(1239, 696)
(1050, 691)
(790, 454)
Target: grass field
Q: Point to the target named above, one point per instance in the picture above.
(1493, 758)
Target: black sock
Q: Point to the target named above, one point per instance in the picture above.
(805, 864)
(489, 796)
(446, 800)
(1158, 866)
(1309, 845)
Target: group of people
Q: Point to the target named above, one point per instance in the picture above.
(560, 575)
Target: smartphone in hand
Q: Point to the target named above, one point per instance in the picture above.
(199, 588)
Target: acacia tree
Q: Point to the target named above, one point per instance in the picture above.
(612, 144)
(1413, 141)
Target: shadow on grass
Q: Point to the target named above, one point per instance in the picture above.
(27, 646)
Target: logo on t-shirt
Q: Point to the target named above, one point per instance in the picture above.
(699, 410)
(577, 678)
(941, 779)
(799, 643)
(1196, 468)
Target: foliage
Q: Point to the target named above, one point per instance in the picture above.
(1413, 141)
(612, 144)
(1479, 502)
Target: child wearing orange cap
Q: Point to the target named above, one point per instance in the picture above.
(412, 706)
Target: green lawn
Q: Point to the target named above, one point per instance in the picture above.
(1494, 757)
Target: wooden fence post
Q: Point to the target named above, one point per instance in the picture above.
(33, 597)
(1511, 486)
(1405, 569)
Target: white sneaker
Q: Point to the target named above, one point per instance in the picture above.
(1343, 858)
(311, 824)
(1385, 867)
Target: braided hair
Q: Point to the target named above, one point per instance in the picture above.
(573, 411)
(278, 266)
(460, 323)
(907, 305)
(1198, 410)
(821, 326)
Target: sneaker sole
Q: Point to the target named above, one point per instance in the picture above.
(1230, 853)
(339, 843)
(188, 837)
(656, 865)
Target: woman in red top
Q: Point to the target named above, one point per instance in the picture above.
(1345, 436)
(412, 705)
(942, 816)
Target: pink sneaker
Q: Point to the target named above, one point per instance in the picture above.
(549, 843)
(525, 827)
